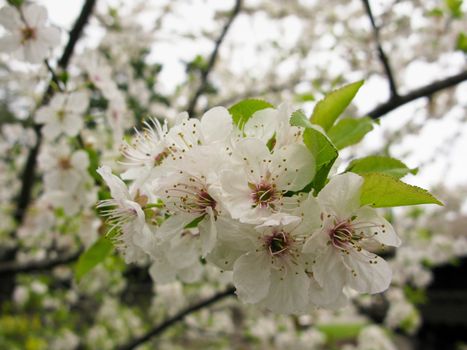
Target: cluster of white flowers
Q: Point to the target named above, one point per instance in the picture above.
(28, 37)
(237, 198)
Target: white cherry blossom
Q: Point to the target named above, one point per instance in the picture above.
(28, 37)
(339, 247)
(63, 115)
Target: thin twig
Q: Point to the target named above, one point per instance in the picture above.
(212, 60)
(382, 55)
(177, 318)
(425, 91)
(29, 172)
(14, 267)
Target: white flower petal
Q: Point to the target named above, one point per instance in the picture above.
(251, 276)
(35, 15)
(10, 18)
(118, 189)
(365, 277)
(262, 124)
(216, 124)
(293, 167)
(380, 228)
(341, 196)
(288, 293)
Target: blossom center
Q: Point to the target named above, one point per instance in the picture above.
(263, 194)
(64, 163)
(278, 243)
(28, 33)
(343, 235)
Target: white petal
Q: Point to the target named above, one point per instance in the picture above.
(330, 272)
(341, 196)
(77, 102)
(208, 232)
(10, 43)
(50, 36)
(224, 255)
(72, 124)
(288, 293)
(183, 250)
(161, 271)
(34, 51)
(293, 167)
(253, 155)
(216, 124)
(118, 189)
(10, 19)
(365, 277)
(45, 114)
(35, 15)
(174, 225)
(80, 160)
(237, 196)
(262, 124)
(380, 229)
(51, 130)
(251, 276)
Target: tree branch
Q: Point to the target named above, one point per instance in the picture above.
(212, 60)
(13, 267)
(176, 318)
(382, 55)
(426, 91)
(29, 172)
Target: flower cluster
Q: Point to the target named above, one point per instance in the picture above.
(237, 195)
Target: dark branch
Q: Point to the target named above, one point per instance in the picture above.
(382, 55)
(177, 318)
(425, 91)
(13, 267)
(29, 172)
(212, 60)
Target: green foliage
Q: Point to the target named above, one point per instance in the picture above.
(380, 164)
(331, 107)
(349, 131)
(461, 43)
(339, 332)
(243, 110)
(454, 7)
(319, 145)
(195, 222)
(93, 257)
(16, 3)
(416, 296)
(305, 97)
(381, 190)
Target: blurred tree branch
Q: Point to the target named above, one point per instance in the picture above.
(426, 91)
(382, 55)
(177, 318)
(13, 267)
(29, 172)
(212, 59)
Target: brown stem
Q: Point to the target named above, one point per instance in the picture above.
(212, 60)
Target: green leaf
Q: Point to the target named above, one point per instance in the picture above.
(340, 331)
(461, 43)
(380, 164)
(243, 110)
(455, 7)
(324, 152)
(330, 108)
(93, 257)
(349, 131)
(195, 222)
(380, 190)
(306, 97)
(299, 118)
(319, 145)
